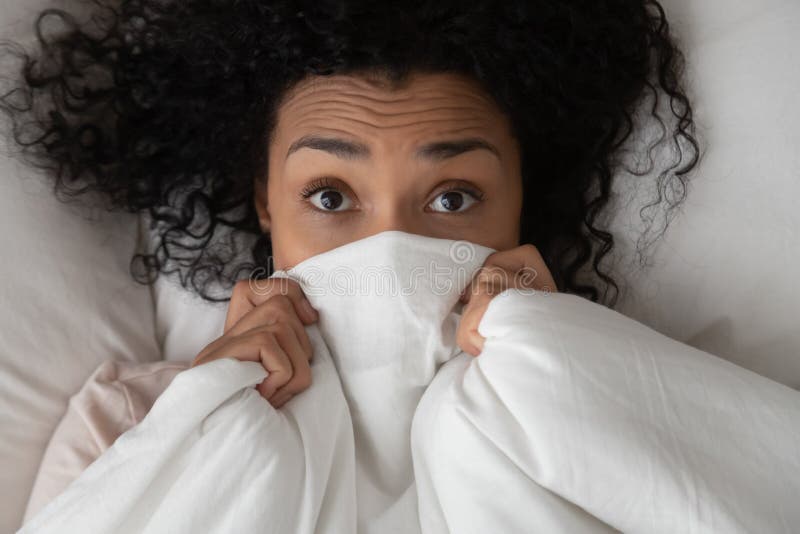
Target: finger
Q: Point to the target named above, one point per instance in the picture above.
(467, 336)
(232, 347)
(249, 294)
(280, 402)
(278, 309)
(464, 298)
(301, 375)
(527, 265)
(263, 314)
(275, 361)
(489, 278)
(302, 336)
(488, 282)
(260, 346)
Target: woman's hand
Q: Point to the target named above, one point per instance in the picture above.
(265, 324)
(521, 267)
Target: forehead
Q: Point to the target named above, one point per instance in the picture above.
(426, 105)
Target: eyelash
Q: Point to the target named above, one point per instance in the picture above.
(479, 195)
(326, 183)
(315, 186)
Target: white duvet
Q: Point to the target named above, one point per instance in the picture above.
(573, 419)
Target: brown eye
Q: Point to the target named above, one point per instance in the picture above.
(453, 201)
(330, 200)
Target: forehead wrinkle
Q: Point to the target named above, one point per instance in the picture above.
(403, 125)
(421, 94)
(393, 97)
(317, 122)
(410, 97)
(356, 105)
(420, 103)
(333, 106)
(325, 96)
(337, 111)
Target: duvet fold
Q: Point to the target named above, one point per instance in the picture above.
(638, 431)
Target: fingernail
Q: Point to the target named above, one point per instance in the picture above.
(311, 313)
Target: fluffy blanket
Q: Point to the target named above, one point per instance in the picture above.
(574, 418)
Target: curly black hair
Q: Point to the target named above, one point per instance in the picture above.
(168, 107)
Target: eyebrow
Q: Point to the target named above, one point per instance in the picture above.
(351, 150)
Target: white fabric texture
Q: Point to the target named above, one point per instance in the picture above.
(723, 276)
(308, 467)
(641, 431)
(574, 418)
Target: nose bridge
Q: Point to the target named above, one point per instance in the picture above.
(394, 208)
(394, 215)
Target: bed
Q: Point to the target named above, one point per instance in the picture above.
(722, 278)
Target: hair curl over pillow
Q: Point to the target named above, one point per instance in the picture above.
(167, 107)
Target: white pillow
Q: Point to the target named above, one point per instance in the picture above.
(69, 303)
(185, 323)
(724, 275)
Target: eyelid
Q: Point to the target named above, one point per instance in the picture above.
(316, 185)
(326, 182)
(462, 186)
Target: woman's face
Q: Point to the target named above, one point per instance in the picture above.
(351, 158)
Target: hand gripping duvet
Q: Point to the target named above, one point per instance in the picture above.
(574, 418)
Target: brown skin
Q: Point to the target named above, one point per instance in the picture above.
(473, 195)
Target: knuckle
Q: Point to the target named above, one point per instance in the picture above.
(281, 304)
(262, 288)
(494, 271)
(205, 354)
(283, 286)
(204, 358)
(263, 338)
(240, 288)
(492, 277)
(492, 258)
(278, 310)
(302, 380)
